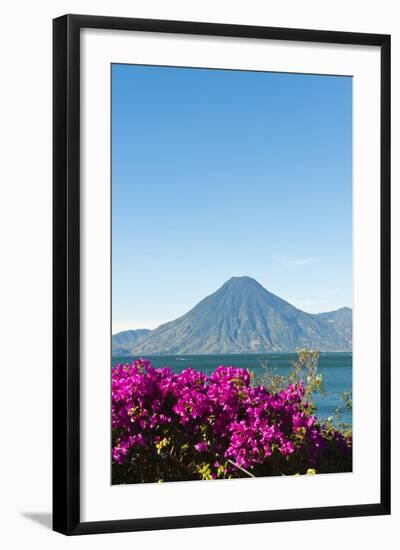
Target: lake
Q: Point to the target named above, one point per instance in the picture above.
(335, 367)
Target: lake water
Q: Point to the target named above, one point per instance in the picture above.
(336, 369)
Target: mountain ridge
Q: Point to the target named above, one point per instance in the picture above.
(243, 317)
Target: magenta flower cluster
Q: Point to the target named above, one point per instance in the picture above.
(220, 425)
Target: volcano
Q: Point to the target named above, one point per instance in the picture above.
(242, 317)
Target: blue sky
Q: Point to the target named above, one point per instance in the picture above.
(225, 173)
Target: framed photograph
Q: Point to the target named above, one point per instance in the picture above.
(221, 274)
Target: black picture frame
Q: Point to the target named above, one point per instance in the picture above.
(66, 273)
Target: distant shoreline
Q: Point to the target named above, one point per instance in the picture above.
(252, 353)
